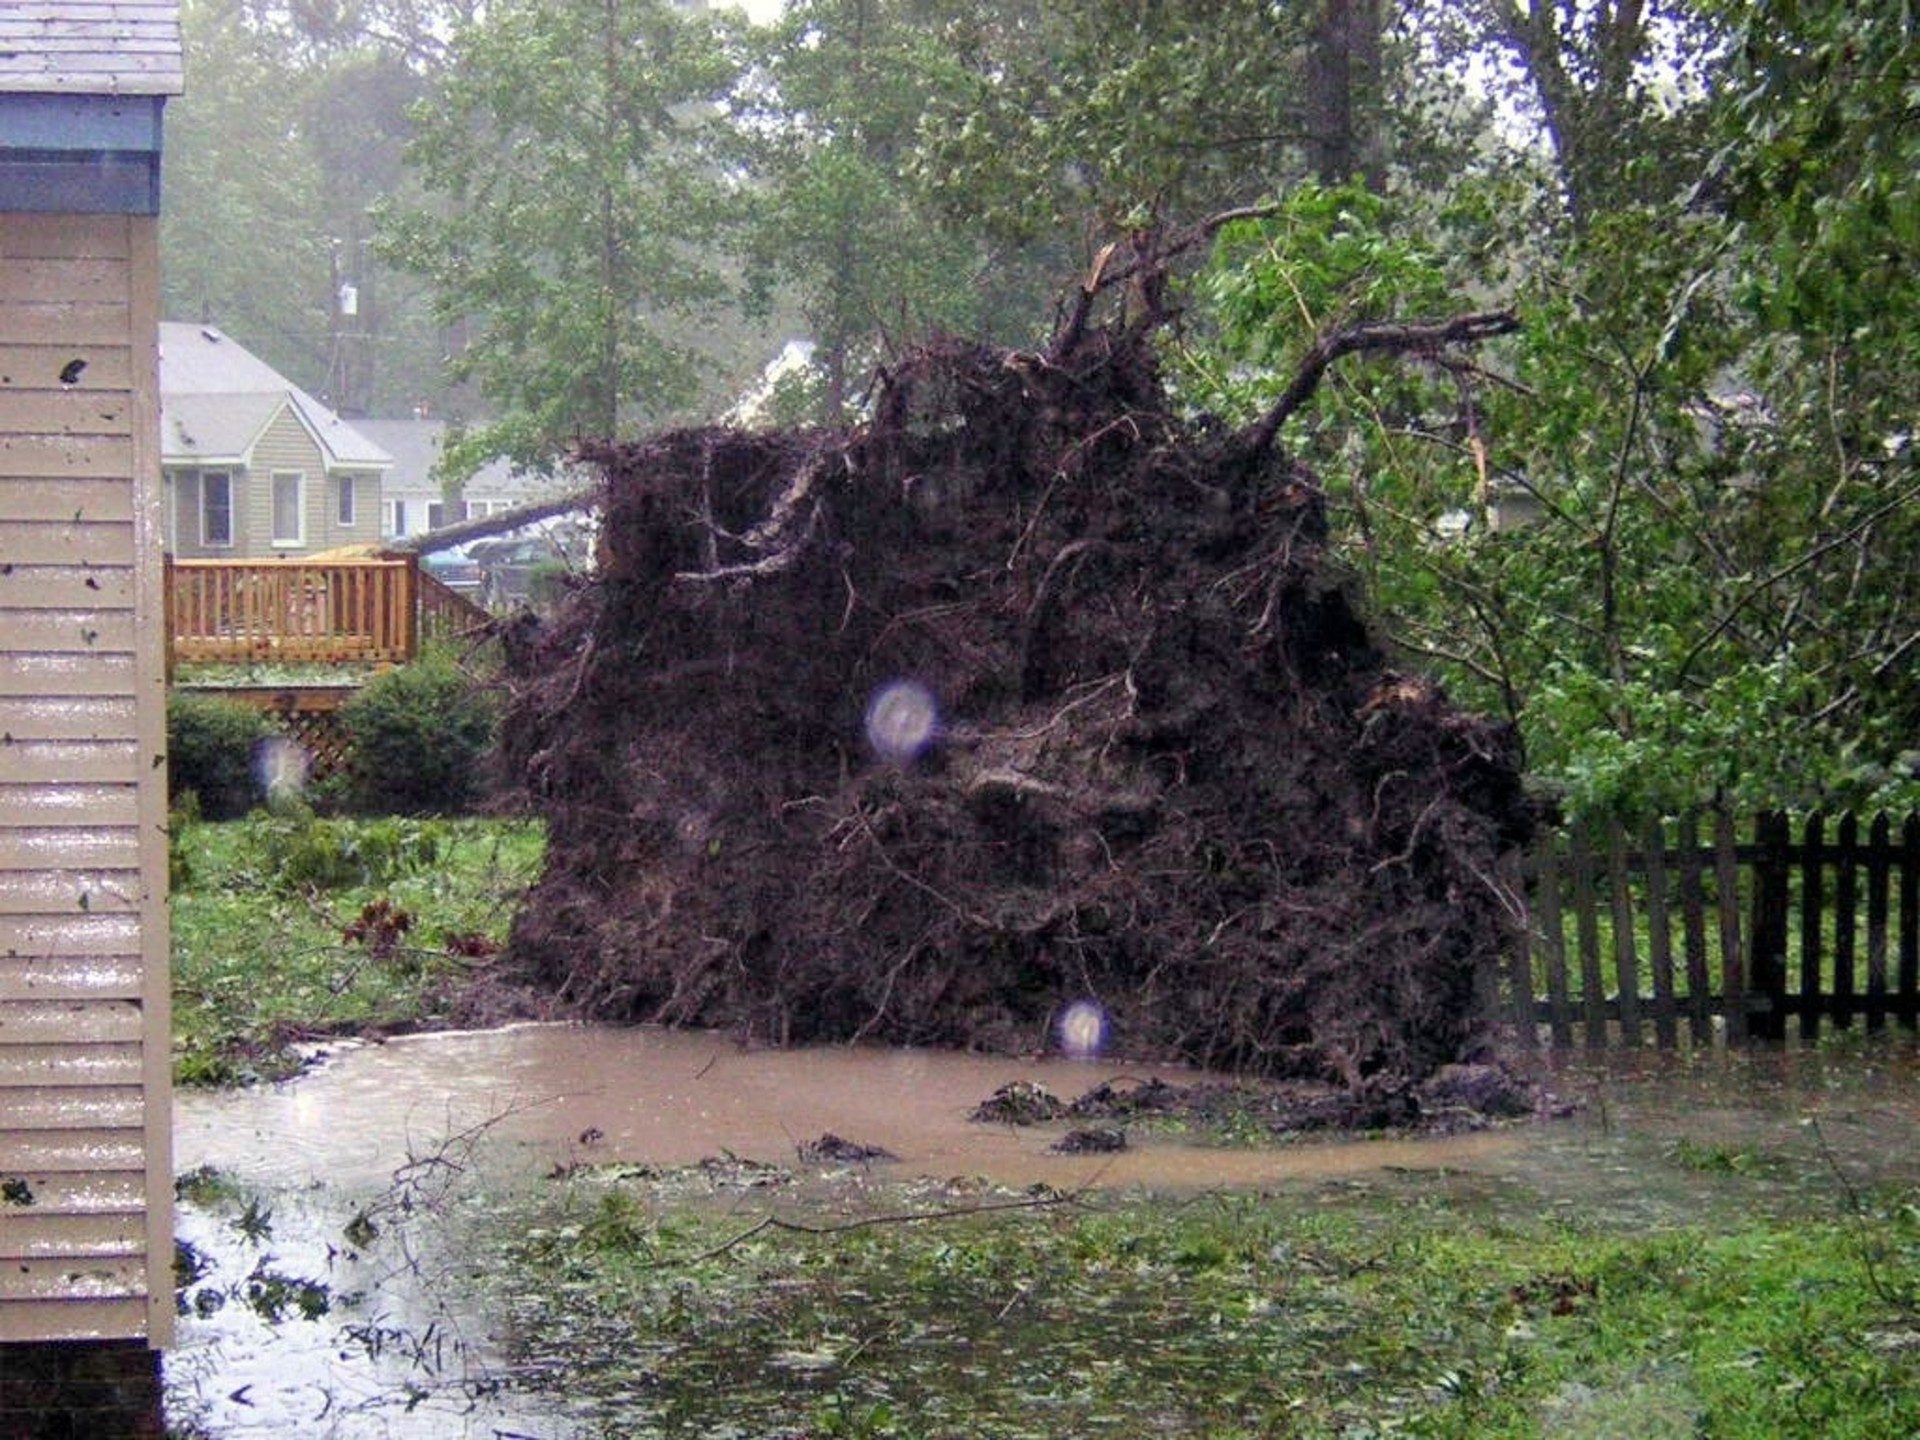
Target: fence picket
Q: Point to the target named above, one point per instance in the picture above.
(1879, 873)
(1659, 935)
(1909, 997)
(1553, 945)
(1766, 956)
(1626, 960)
(1846, 899)
(1586, 922)
(1733, 973)
(1513, 878)
(1812, 891)
(1693, 906)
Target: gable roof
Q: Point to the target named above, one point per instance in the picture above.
(90, 47)
(415, 446)
(217, 398)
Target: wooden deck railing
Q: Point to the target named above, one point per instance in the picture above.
(322, 612)
(445, 611)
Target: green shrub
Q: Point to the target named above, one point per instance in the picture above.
(210, 747)
(419, 737)
(299, 851)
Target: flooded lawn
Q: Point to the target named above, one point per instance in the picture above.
(558, 1231)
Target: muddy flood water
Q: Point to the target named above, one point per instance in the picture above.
(298, 1321)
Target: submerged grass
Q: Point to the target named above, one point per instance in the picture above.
(290, 928)
(1403, 1308)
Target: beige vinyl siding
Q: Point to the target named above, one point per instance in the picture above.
(286, 446)
(83, 984)
(365, 529)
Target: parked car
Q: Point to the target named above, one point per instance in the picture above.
(520, 569)
(456, 567)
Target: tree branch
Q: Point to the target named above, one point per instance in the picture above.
(1150, 257)
(1393, 336)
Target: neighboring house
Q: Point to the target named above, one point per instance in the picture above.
(413, 500)
(86, 1243)
(256, 468)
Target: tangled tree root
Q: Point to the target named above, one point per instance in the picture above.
(1165, 767)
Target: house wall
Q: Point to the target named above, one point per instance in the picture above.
(183, 515)
(85, 1190)
(286, 444)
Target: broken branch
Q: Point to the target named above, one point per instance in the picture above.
(1418, 337)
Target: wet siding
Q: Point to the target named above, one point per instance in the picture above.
(84, 1156)
(287, 445)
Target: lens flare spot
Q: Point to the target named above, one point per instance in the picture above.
(281, 766)
(1083, 1029)
(902, 720)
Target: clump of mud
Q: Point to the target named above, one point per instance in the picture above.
(1452, 1100)
(1028, 691)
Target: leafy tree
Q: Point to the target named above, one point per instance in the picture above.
(1616, 86)
(243, 231)
(840, 225)
(291, 128)
(574, 156)
(1069, 119)
(1690, 614)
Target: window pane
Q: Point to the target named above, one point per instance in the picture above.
(216, 508)
(346, 499)
(287, 526)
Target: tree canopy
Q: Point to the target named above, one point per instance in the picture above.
(1666, 527)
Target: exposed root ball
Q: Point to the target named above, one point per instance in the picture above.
(1150, 756)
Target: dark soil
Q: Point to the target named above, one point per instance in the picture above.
(1454, 1099)
(831, 1149)
(1172, 771)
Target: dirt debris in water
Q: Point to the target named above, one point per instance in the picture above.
(1454, 1099)
(1027, 691)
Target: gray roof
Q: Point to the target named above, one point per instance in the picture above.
(415, 447)
(90, 47)
(216, 397)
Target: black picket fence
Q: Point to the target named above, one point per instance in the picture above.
(1705, 931)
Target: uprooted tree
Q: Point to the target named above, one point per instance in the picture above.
(1171, 772)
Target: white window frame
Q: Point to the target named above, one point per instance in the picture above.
(298, 539)
(394, 516)
(347, 511)
(201, 479)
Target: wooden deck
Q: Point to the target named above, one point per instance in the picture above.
(365, 610)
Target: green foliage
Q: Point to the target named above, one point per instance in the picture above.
(1416, 1304)
(263, 953)
(838, 224)
(1069, 122)
(573, 158)
(419, 737)
(210, 745)
(1703, 605)
(301, 852)
(282, 141)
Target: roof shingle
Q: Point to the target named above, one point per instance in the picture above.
(90, 47)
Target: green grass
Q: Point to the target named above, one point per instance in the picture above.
(1341, 1312)
(265, 949)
